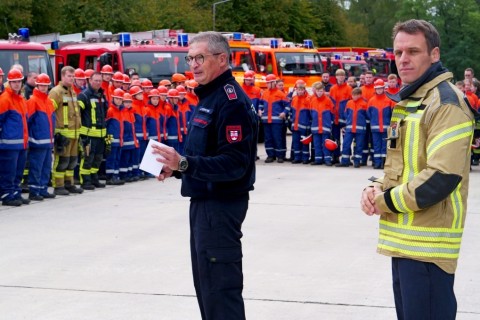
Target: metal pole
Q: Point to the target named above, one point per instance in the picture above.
(214, 5)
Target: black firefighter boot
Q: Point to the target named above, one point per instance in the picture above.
(87, 182)
(96, 181)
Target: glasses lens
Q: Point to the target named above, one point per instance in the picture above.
(200, 59)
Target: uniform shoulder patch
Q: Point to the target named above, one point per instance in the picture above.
(234, 134)
(230, 91)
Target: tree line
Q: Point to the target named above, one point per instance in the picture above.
(328, 22)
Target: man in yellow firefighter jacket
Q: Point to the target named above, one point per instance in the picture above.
(67, 132)
(422, 198)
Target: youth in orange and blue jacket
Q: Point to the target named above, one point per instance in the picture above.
(340, 93)
(272, 108)
(41, 131)
(140, 113)
(356, 125)
(115, 130)
(379, 113)
(185, 114)
(321, 110)
(156, 119)
(13, 143)
(299, 113)
(173, 124)
(130, 142)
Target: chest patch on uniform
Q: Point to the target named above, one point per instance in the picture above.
(230, 90)
(234, 134)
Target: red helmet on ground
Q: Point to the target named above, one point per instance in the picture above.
(307, 140)
(154, 93)
(331, 145)
(379, 83)
(270, 78)
(146, 84)
(126, 79)
(43, 79)
(173, 93)
(178, 77)
(181, 89)
(300, 83)
(127, 97)
(249, 75)
(1, 72)
(15, 75)
(79, 74)
(162, 90)
(192, 84)
(118, 93)
(136, 83)
(107, 69)
(134, 90)
(165, 82)
(118, 76)
(88, 73)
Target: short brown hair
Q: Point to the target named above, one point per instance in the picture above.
(66, 69)
(318, 85)
(357, 91)
(414, 26)
(392, 76)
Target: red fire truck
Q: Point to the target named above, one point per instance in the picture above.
(18, 50)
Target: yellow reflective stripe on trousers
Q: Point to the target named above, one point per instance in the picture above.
(457, 207)
(450, 135)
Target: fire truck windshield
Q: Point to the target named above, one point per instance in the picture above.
(32, 61)
(299, 63)
(241, 59)
(155, 65)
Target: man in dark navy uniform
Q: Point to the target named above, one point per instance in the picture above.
(217, 172)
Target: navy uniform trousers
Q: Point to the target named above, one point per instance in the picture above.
(422, 291)
(215, 233)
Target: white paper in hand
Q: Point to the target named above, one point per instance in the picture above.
(149, 161)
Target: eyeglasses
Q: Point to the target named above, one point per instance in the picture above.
(199, 58)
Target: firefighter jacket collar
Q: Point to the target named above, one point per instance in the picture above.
(435, 70)
(204, 90)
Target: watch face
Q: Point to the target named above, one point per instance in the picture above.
(183, 164)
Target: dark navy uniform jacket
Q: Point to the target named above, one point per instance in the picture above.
(221, 144)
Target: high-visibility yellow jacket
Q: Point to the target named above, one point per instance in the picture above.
(67, 113)
(426, 175)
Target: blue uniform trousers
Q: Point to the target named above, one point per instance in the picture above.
(216, 252)
(275, 140)
(379, 147)
(40, 170)
(336, 134)
(12, 163)
(126, 162)
(138, 156)
(112, 164)
(300, 151)
(347, 147)
(422, 291)
(322, 154)
(367, 145)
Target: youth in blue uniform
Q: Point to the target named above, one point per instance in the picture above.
(115, 130)
(218, 172)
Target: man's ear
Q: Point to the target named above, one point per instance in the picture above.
(435, 54)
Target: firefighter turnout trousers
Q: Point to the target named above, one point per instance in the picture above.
(65, 164)
(90, 163)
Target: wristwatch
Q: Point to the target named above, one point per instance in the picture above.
(182, 164)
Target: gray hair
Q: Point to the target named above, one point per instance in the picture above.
(217, 43)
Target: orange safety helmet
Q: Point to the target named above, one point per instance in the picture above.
(43, 79)
(178, 77)
(88, 73)
(307, 140)
(118, 76)
(173, 93)
(300, 83)
(165, 82)
(270, 78)
(146, 84)
(127, 97)
(126, 79)
(1, 72)
(15, 75)
(154, 93)
(79, 74)
(331, 144)
(118, 93)
(107, 69)
(136, 83)
(134, 90)
(162, 90)
(192, 84)
(379, 83)
(181, 89)
(249, 75)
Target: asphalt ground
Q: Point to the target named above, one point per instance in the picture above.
(122, 253)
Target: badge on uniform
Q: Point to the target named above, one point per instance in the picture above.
(230, 90)
(234, 134)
